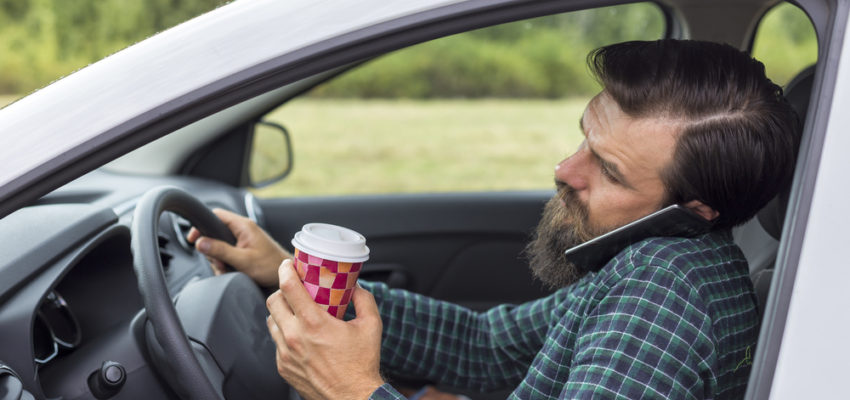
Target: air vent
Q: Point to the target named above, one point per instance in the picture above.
(165, 256)
(181, 230)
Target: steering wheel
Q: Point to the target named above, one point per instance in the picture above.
(212, 341)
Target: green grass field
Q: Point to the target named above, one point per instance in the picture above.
(388, 146)
(385, 146)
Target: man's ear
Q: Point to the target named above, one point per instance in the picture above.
(703, 210)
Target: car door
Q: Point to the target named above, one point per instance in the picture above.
(466, 248)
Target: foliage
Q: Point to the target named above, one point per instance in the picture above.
(785, 43)
(545, 57)
(542, 57)
(42, 40)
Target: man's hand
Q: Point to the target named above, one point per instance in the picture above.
(256, 253)
(320, 356)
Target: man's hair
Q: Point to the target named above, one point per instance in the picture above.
(738, 136)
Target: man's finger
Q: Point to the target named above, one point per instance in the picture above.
(220, 250)
(235, 222)
(281, 349)
(275, 331)
(193, 235)
(281, 313)
(364, 303)
(277, 306)
(293, 291)
(217, 266)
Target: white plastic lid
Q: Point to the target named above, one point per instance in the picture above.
(331, 242)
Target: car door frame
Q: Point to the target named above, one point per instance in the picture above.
(830, 21)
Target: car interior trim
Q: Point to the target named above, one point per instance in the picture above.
(797, 213)
(803, 230)
(26, 251)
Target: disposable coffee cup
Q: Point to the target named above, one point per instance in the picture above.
(328, 259)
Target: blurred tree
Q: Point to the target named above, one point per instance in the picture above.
(13, 9)
(42, 40)
(541, 57)
(785, 42)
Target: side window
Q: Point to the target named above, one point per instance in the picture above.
(785, 42)
(491, 109)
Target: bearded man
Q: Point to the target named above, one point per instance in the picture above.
(678, 122)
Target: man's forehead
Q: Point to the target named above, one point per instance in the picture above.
(636, 146)
(603, 110)
(593, 103)
(603, 103)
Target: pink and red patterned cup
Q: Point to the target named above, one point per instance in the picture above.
(328, 259)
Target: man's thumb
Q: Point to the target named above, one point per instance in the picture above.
(364, 303)
(217, 249)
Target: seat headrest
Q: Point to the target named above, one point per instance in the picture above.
(798, 92)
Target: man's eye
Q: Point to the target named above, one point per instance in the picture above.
(608, 175)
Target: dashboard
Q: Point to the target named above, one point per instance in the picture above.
(70, 299)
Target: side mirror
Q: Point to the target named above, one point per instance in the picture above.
(270, 156)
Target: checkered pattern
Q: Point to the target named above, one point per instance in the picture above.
(330, 283)
(667, 318)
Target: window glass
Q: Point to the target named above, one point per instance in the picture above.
(785, 42)
(491, 109)
(41, 41)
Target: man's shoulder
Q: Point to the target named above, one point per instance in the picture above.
(688, 258)
(701, 271)
(713, 248)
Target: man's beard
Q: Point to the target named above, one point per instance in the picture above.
(561, 227)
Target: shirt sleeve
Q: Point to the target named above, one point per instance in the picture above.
(647, 338)
(456, 346)
(386, 392)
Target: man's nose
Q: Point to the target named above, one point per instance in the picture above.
(573, 170)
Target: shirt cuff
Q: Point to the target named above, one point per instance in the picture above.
(386, 392)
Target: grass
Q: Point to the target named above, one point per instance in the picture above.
(392, 146)
(385, 146)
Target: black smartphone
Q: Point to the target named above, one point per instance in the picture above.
(672, 221)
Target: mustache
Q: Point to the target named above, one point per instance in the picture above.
(575, 211)
(566, 193)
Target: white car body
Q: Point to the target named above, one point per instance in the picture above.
(196, 77)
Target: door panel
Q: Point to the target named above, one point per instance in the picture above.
(464, 248)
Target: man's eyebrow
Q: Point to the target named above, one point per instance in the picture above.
(607, 165)
(611, 168)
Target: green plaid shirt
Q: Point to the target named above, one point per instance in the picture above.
(666, 318)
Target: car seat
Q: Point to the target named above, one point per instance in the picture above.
(759, 237)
